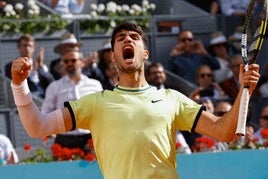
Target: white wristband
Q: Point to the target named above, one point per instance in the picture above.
(21, 93)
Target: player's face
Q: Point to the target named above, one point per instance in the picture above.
(129, 53)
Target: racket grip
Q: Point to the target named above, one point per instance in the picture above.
(243, 112)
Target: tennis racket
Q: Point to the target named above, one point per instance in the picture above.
(254, 29)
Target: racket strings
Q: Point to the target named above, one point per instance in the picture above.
(258, 23)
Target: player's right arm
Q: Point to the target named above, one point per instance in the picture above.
(37, 124)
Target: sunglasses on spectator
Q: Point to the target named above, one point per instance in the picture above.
(265, 117)
(205, 75)
(186, 39)
(220, 113)
(66, 61)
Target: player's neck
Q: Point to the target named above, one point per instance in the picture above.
(132, 81)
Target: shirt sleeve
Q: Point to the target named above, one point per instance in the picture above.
(187, 113)
(81, 111)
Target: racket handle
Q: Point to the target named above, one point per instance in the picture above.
(243, 112)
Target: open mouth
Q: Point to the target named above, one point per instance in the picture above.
(128, 53)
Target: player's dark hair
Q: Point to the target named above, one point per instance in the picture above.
(131, 27)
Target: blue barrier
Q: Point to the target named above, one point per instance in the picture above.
(244, 164)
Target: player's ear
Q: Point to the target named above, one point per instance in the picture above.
(146, 54)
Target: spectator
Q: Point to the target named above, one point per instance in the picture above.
(207, 88)
(234, 41)
(111, 76)
(231, 85)
(210, 6)
(220, 108)
(39, 77)
(68, 42)
(233, 8)
(219, 49)
(65, 6)
(72, 86)
(263, 83)
(91, 69)
(155, 74)
(107, 70)
(2, 6)
(104, 54)
(264, 75)
(187, 55)
(263, 123)
(8, 154)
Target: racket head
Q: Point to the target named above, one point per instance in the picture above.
(254, 30)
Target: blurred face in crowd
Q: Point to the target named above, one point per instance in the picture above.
(263, 120)
(186, 39)
(249, 134)
(156, 76)
(26, 48)
(72, 62)
(221, 108)
(204, 76)
(105, 55)
(220, 50)
(111, 70)
(235, 64)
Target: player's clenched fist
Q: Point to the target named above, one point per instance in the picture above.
(20, 70)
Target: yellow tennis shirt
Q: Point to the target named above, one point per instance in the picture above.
(134, 129)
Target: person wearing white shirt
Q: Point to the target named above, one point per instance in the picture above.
(72, 86)
(65, 6)
(8, 154)
(218, 47)
(234, 8)
(263, 122)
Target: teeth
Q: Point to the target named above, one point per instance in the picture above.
(127, 48)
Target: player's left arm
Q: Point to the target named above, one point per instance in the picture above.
(223, 128)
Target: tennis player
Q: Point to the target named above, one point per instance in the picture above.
(134, 126)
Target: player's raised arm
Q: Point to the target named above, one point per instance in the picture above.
(223, 128)
(36, 124)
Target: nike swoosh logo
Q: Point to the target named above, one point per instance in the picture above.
(155, 101)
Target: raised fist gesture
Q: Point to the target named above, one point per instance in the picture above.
(20, 69)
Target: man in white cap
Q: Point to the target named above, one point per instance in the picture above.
(234, 40)
(68, 42)
(218, 47)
